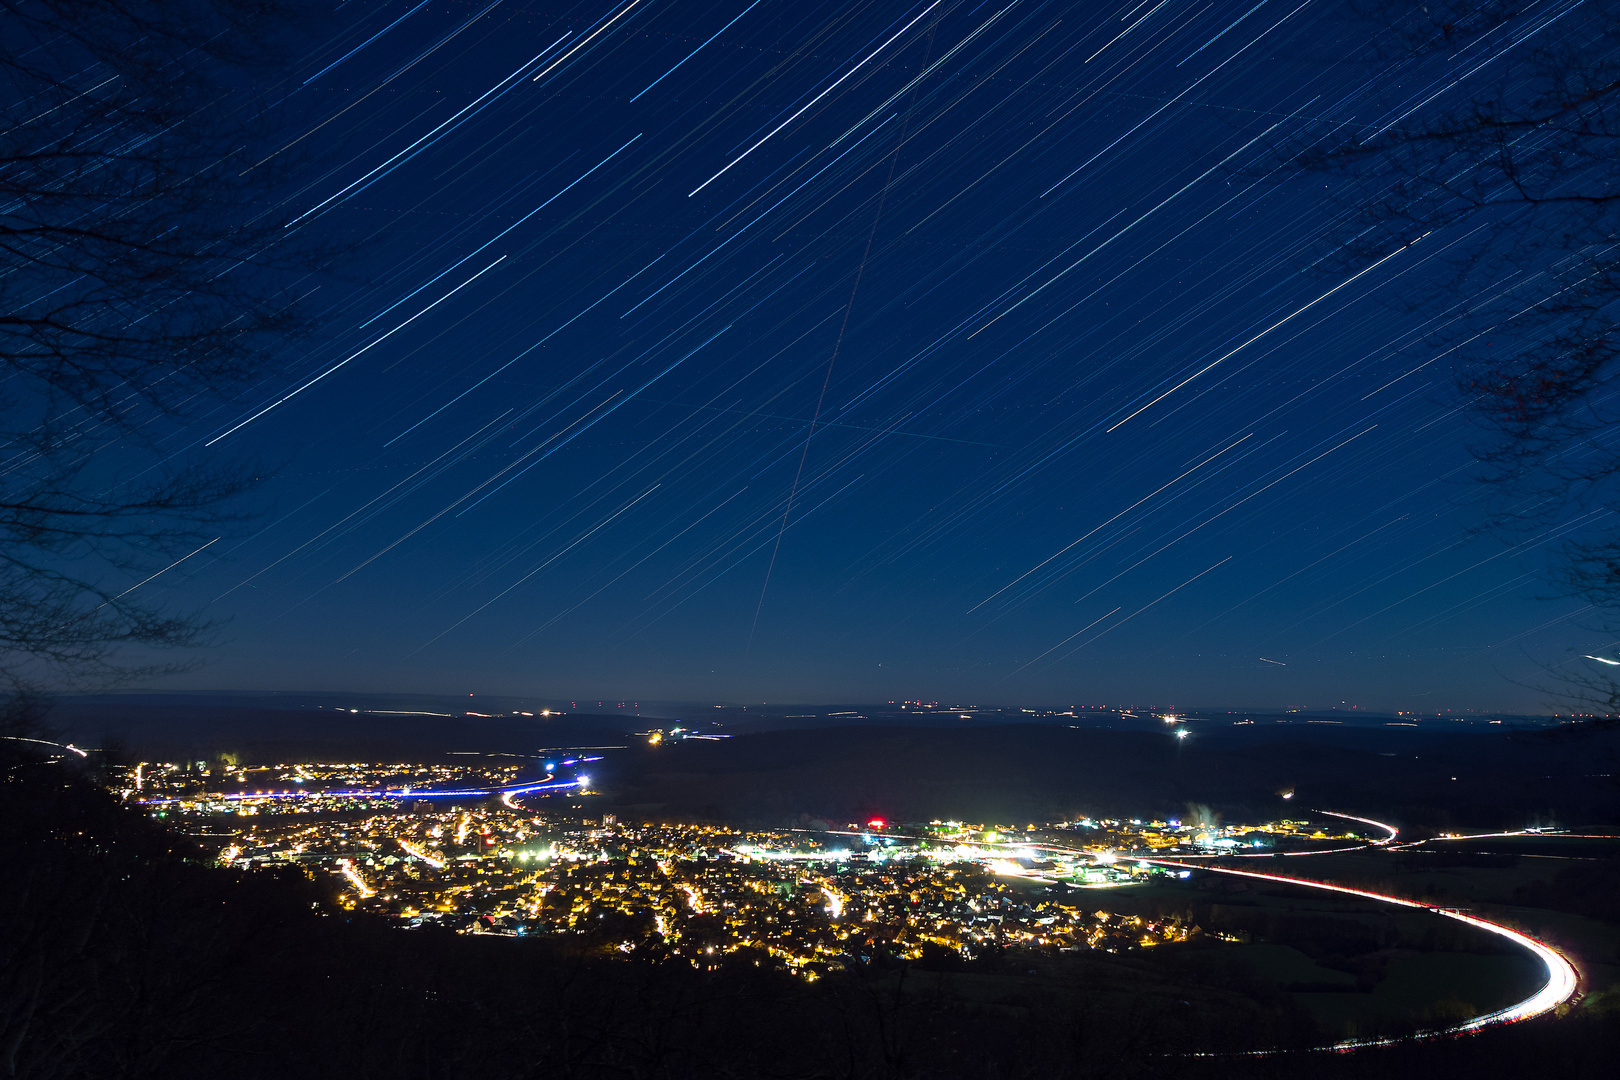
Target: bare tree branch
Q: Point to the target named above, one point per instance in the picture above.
(145, 272)
(1520, 177)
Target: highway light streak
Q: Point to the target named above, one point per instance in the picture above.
(1390, 829)
(1390, 839)
(412, 849)
(1541, 834)
(1562, 980)
(355, 879)
(1560, 986)
(46, 742)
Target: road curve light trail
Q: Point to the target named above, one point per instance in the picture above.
(1387, 840)
(45, 742)
(1545, 834)
(1560, 986)
(1390, 829)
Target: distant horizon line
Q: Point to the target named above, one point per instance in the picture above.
(576, 704)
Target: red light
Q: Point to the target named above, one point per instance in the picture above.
(876, 823)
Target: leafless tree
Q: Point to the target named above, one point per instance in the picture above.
(1508, 165)
(144, 275)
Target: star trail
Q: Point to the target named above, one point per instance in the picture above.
(767, 350)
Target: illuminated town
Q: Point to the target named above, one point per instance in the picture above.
(476, 849)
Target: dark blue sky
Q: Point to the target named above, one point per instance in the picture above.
(1097, 416)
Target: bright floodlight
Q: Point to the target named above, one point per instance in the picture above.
(1181, 733)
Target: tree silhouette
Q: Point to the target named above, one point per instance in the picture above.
(144, 274)
(1508, 168)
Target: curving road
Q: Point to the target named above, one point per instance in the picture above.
(1562, 980)
(1560, 986)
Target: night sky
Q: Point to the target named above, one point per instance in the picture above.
(786, 351)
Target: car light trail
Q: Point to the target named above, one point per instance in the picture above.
(359, 883)
(45, 742)
(1562, 980)
(1390, 839)
(1538, 834)
(412, 849)
(1560, 986)
(1390, 829)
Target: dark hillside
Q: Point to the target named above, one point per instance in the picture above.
(1034, 772)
